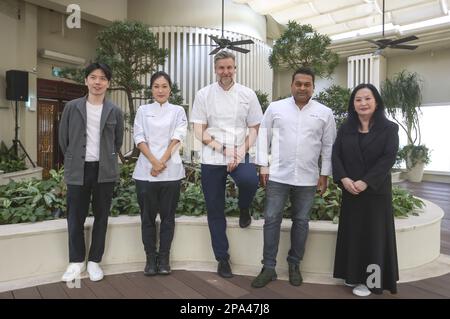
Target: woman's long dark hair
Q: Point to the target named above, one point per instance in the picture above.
(379, 114)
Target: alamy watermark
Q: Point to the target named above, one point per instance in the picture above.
(374, 279)
(73, 21)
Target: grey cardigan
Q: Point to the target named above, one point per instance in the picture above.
(72, 140)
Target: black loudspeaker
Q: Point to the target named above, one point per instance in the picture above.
(16, 85)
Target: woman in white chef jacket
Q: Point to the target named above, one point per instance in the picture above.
(159, 129)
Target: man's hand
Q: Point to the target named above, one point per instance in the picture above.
(240, 153)
(322, 184)
(348, 184)
(263, 175)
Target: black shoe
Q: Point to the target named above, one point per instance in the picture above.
(265, 276)
(295, 276)
(244, 218)
(151, 267)
(163, 264)
(224, 269)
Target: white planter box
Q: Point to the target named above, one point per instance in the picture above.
(37, 253)
(21, 175)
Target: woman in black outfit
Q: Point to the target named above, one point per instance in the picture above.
(363, 155)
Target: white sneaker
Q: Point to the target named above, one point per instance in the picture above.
(73, 271)
(94, 270)
(361, 291)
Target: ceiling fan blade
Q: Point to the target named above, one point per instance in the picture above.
(403, 46)
(402, 40)
(215, 39)
(242, 42)
(215, 50)
(238, 49)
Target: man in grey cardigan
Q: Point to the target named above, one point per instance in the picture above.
(90, 137)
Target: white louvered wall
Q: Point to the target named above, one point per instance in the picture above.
(191, 67)
(367, 68)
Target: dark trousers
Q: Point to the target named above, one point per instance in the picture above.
(78, 200)
(214, 179)
(154, 197)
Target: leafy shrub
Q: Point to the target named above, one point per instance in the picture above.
(9, 161)
(31, 201)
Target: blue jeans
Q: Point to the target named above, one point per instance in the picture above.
(301, 199)
(214, 179)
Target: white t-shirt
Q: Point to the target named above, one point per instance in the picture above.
(228, 114)
(157, 126)
(93, 114)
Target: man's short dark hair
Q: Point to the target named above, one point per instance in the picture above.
(304, 70)
(96, 66)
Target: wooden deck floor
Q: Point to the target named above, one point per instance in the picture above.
(204, 285)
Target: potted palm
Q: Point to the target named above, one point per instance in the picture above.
(402, 96)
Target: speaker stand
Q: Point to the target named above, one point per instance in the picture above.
(16, 142)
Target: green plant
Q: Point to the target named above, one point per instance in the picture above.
(263, 99)
(402, 97)
(33, 200)
(414, 154)
(336, 97)
(9, 161)
(405, 204)
(36, 200)
(301, 45)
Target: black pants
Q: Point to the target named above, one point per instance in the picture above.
(154, 197)
(78, 200)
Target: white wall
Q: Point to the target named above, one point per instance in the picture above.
(96, 11)
(18, 51)
(432, 66)
(53, 36)
(199, 13)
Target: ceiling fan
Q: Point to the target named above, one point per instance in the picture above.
(393, 44)
(224, 43)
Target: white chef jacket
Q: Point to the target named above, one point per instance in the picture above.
(157, 126)
(228, 115)
(295, 139)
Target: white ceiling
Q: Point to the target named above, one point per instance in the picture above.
(350, 22)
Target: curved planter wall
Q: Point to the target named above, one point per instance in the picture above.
(27, 174)
(38, 253)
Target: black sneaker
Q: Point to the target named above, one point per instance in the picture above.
(151, 267)
(244, 218)
(224, 269)
(295, 276)
(265, 276)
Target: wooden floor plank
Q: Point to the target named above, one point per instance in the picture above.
(284, 288)
(151, 286)
(52, 291)
(6, 295)
(221, 284)
(27, 293)
(408, 291)
(80, 292)
(263, 293)
(103, 289)
(200, 285)
(126, 287)
(178, 287)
